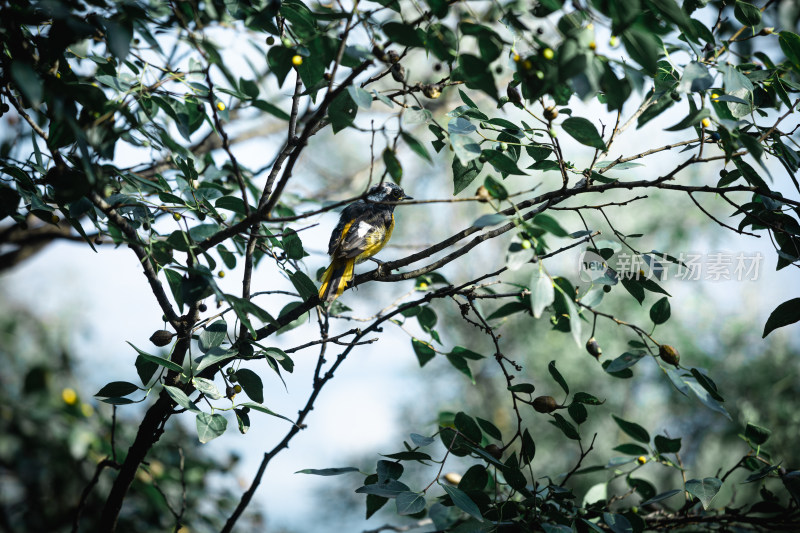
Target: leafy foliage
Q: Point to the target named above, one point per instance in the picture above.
(89, 82)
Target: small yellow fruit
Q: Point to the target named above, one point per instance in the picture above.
(237, 389)
(613, 41)
(706, 123)
(87, 410)
(641, 459)
(176, 216)
(220, 106)
(221, 273)
(526, 244)
(58, 75)
(714, 96)
(592, 45)
(548, 53)
(527, 64)
(516, 58)
(297, 60)
(69, 396)
(54, 219)
(423, 286)
(452, 478)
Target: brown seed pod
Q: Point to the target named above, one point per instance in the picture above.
(393, 56)
(398, 73)
(483, 194)
(495, 451)
(513, 95)
(669, 354)
(432, 91)
(378, 52)
(161, 337)
(545, 404)
(593, 348)
(550, 113)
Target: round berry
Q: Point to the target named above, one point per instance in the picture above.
(297, 60)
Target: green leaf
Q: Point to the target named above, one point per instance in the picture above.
(305, 287)
(695, 79)
(272, 109)
(551, 225)
(389, 488)
(660, 311)
(209, 426)
(410, 503)
(421, 440)
(617, 523)
(404, 34)
(293, 246)
(644, 488)
(786, 313)
(501, 162)
(328, 471)
(704, 490)
(416, 146)
(489, 428)
(361, 97)
(583, 131)
(661, 497)
(631, 449)
(214, 355)
(461, 365)
(635, 431)
(489, 220)
(117, 389)
(468, 427)
(409, 456)
(423, 350)
(262, 409)
(694, 118)
(568, 429)
(180, 398)
(626, 360)
(755, 434)
(207, 387)
(747, 13)
(166, 363)
(542, 291)
(342, 112)
(643, 46)
(577, 412)
(392, 165)
(463, 502)
(213, 335)
(251, 383)
(586, 398)
(790, 44)
(463, 175)
(557, 376)
(667, 445)
(525, 388)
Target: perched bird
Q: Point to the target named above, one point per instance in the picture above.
(363, 229)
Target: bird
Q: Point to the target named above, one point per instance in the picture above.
(364, 227)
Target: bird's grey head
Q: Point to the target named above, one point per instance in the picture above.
(386, 192)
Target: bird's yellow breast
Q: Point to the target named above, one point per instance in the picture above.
(375, 241)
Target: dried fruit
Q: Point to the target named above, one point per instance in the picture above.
(432, 91)
(545, 404)
(494, 450)
(550, 113)
(161, 337)
(593, 348)
(513, 95)
(398, 72)
(669, 354)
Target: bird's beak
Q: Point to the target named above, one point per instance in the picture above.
(406, 197)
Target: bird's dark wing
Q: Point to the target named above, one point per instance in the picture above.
(366, 235)
(348, 216)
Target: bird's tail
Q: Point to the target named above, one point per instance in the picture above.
(335, 279)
